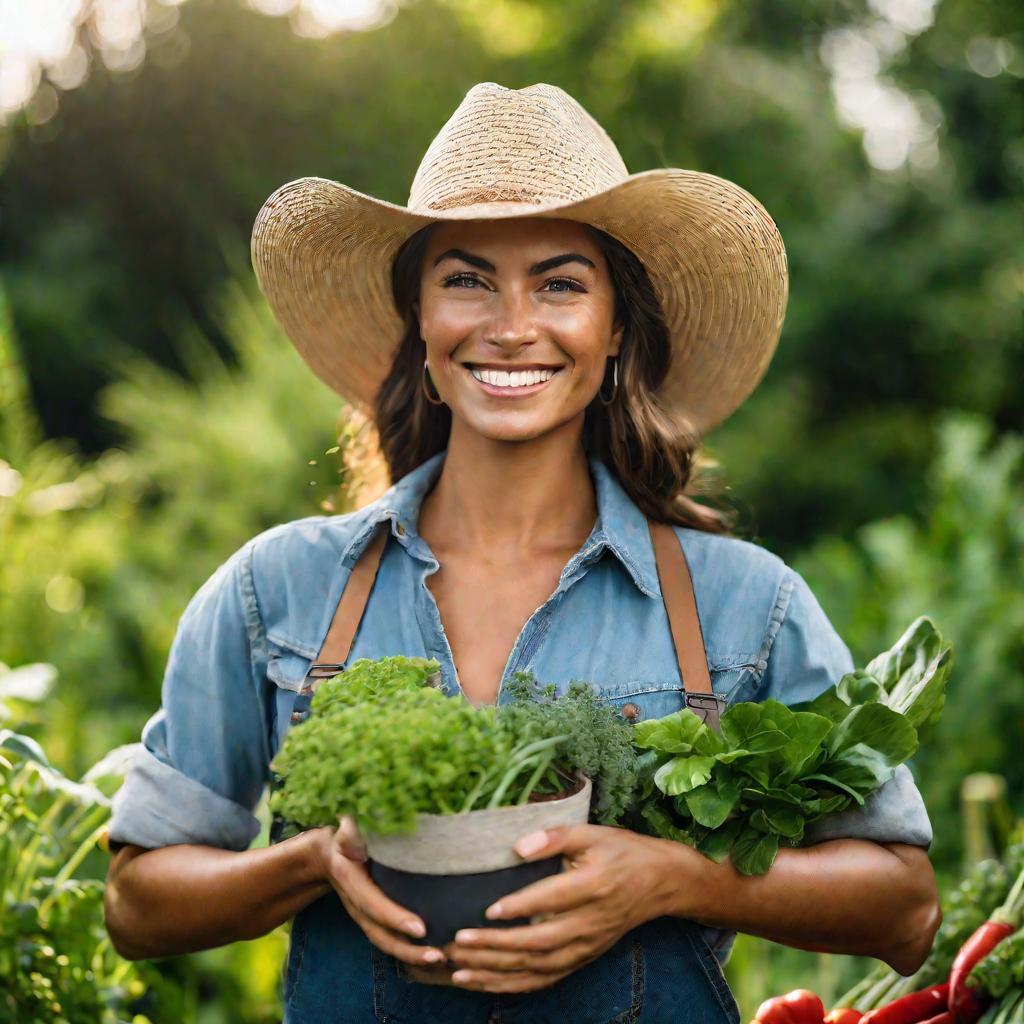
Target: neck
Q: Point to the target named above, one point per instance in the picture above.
(514, 497)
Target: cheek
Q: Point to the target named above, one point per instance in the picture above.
(446, 321)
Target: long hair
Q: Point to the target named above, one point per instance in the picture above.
(651, 452)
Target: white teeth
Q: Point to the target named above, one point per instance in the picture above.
(515, 379)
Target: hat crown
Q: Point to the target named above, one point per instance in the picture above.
(535, 145)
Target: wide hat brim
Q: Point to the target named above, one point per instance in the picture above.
(322, 253)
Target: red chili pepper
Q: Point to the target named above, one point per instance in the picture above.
(968, 1004)
(843, 1015)
(946, 1017)
(911, 1008)
(801, 1006)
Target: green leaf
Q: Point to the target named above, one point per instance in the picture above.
(717, 844)
(861, 768)
(654, 813)
(827, 703)
(679, 733)
(785, 818)
(682, 774)
(23, 746)
(713, 802)
(758, 728)
(807, 731)
(914, 671)
(753, 853)
(876, 726)
(859, 687)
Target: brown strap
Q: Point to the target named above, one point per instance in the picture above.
(676, 592)
(349, 612)
(687, 637)
(347, 616)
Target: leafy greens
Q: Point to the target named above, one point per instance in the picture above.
(383, 744)
(774, 769)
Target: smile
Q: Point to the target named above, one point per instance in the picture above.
(518, 381)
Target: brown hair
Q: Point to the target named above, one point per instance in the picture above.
(651, 453)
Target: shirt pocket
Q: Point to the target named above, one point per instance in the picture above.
(286, 669)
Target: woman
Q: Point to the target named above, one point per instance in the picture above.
(565, 333)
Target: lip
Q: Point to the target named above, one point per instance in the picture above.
(518, 392)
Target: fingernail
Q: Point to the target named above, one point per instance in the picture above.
(493, 911)
(415, 928)
(531, 843)
(466, 935)
(461, 976)
(434, 956)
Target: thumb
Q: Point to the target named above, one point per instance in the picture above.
(565, 839)
(350, 839)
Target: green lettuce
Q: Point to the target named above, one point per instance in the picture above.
(773, 769)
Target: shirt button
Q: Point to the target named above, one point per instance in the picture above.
(630, 711)
(400, 529)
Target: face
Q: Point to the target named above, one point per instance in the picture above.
(517, 317)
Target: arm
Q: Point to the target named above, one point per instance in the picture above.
(844, 896)
(183, 898)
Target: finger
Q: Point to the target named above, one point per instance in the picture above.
(350, 839)
(566, 958)
(498, 981)
(393, 943)
(556, 894)
(565, 839)
(539, 938)
(375, 904)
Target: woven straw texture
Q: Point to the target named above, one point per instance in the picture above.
(322, 252)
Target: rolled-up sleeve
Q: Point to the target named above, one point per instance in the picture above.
(205, 753)
(808, 656)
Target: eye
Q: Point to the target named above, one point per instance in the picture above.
(573, 285)
(451, 280)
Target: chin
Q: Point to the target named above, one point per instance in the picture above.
(511, 428)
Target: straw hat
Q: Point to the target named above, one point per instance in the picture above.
(322, 251)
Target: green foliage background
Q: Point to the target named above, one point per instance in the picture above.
(153, 418)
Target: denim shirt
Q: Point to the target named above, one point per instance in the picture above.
(248, 635)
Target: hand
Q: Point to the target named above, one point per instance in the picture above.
(616, 880)
(342, 856)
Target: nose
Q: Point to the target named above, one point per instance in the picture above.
(514, 325)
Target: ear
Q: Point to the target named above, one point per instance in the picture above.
(616, 343)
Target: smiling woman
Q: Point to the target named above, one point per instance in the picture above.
(561, 335)
(605, 309)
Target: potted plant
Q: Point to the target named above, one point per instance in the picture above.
(442, 789)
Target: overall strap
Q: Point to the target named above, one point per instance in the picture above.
(347, 616)
(681, 606)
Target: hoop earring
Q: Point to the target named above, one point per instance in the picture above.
(615, 384)
(426, 389)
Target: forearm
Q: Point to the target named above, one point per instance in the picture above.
(180, 899)
(843, 896)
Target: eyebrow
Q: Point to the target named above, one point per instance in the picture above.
(538, 268)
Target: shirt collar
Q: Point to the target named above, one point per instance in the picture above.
(621, 526)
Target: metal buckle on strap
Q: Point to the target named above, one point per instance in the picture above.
(303, 699)
(707, 707)
(323, 670)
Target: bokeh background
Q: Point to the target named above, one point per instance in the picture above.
(153, 418)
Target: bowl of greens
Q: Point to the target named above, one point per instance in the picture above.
(441, 789)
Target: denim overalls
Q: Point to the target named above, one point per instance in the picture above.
(248, 637)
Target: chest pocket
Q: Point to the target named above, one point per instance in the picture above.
(286, 669)
(735, 679)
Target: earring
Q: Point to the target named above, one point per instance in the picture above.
(426, 388)
(615, 384)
